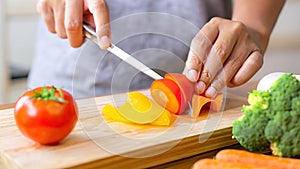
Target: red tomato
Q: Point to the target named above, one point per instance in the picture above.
(46, 114)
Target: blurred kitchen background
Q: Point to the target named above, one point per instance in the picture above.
(18, 22)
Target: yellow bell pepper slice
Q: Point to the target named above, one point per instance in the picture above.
(112, 113)
(138, 109)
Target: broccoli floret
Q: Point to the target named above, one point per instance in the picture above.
(247, 130)
(283, 91)
(272, 120)
(259, 99)
(296, 104)
(283, 131)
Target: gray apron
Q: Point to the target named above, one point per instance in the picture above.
(156, 32)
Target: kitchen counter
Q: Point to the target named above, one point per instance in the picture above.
(95, 143)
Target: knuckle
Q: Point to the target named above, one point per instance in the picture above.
(103, 30)
(73, 26)
(214, 20)
(99, 4)
(43, 3)
(257, 60)
(238, 27)
(42, 7)
(200, 40)
(221, 51)
(194, 62)
(235, 64)
(219, 83)
(62, 35)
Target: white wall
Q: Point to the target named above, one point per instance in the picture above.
(21, 40)
(17, 37)
(21, 23)
(283, 53)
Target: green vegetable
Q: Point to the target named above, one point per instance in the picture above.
(283, 132)
(283, 91)
(248, 129)
(272, 120)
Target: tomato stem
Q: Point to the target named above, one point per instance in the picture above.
(49, 94)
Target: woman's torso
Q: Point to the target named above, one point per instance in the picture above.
(157, 33)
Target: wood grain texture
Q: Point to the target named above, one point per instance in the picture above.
(96, 143)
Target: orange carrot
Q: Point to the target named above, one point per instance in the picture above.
(245, 157)
(215, 164)
(186, 86)
(167, 93)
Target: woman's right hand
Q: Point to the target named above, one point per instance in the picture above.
(65, 18)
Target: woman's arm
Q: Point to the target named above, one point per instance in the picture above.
(259, 16)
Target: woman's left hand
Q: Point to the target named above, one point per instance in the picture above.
(222, 53)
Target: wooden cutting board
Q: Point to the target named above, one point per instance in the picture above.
(96, 143)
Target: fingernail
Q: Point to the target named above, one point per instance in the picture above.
(200, 87)
(211, 92)
(104, 43)
(192, 75)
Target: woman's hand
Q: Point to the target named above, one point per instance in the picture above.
(230, 52)
(222, 53)
(65, 18)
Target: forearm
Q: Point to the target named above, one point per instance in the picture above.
(259, 16)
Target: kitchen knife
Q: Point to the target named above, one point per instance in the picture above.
(90, 33)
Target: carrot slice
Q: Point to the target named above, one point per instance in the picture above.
(185, 85)
(215, 164)
(256, 159)
(167, 93)
(198, 102)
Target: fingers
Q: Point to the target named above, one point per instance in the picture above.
(200, 46)
(59, 17)
(100, 11)
(253, 63)
(45, 9)
(73, 22)
(65, 17)
(53, 15)
(232, 60)
(225, 40)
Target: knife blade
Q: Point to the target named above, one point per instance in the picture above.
(90, 33)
